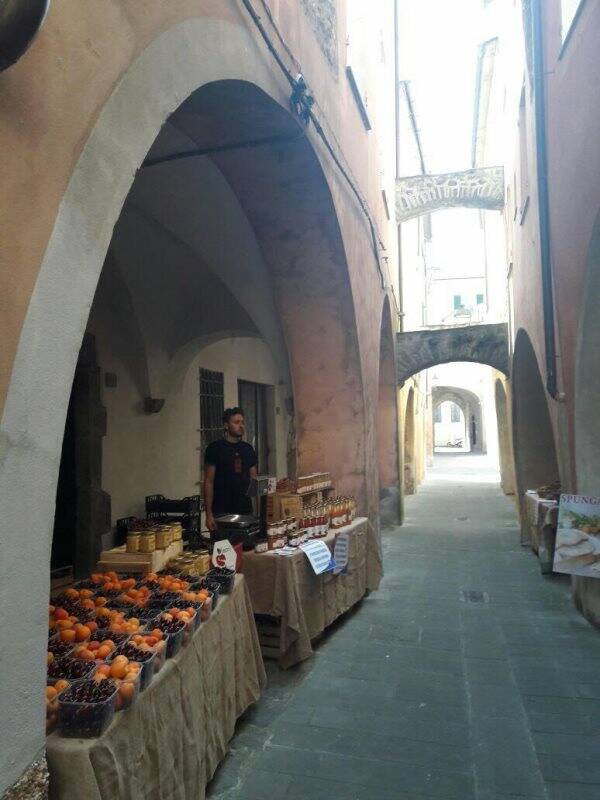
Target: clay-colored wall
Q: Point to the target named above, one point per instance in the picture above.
(51, 98)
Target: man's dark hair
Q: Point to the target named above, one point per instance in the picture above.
(231, 412)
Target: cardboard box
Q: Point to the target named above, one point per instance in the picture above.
(282, 506)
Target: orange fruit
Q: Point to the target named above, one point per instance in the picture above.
(85, 655)
(101, 601)
(103, 651)
(103, 669)
(51, 693)
(50, 658)
(118, 670)
(67, 635)
(82, 632)
(61, 613)
(61, 685)
(72, 594)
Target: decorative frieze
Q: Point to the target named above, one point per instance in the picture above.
(473, 188)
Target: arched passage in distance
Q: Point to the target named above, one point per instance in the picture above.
(387, 425)
(533, 438)
(587, 418)
(471, 406)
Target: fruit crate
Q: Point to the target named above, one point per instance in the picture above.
(82, 716)
(224, 577)
(144, 657)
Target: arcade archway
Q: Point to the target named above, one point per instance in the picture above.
(387, 425)
(192, 87)
(410, 476)
(533, 437)
(587, 420)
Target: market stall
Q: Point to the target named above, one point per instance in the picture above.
(299, 603)
(542, 518)
(169, 742)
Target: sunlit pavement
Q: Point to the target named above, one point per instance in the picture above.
(467, 675)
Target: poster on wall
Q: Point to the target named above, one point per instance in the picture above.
(577, 549)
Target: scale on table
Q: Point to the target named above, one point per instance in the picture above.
(247, 528)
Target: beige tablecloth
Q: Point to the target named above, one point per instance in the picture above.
(542, 518)
(286, 587)
(169, 743)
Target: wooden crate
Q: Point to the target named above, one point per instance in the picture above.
(119, 560)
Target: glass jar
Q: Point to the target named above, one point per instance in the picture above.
(133, 542)
(261, 546)
(147, 541)
(162, 537)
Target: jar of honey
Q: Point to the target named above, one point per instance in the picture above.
(147, 541)
(133, 542)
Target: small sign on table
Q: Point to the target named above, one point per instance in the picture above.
(319, 556)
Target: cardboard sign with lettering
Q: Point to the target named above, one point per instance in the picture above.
(577, 549)
(223, 554)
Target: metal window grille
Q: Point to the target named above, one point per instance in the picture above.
(454, 413)
(212, 405)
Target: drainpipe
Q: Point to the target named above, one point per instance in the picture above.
(543, 196)
(397, 112)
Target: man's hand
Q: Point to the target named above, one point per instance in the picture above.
(210, 523)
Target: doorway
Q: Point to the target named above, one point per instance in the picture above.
(253, 398)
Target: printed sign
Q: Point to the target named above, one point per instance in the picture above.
(223, 554)
(577, 549)
(319, 556)
(340, 553)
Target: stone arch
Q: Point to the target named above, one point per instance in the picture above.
(471, 406)
(481, 344)
(387, 424)
(533, 437)
(507, 476)
(288, 202)
(587, 421)
(410, 475)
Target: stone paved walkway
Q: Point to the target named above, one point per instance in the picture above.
(467, 676)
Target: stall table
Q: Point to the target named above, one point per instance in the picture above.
(303, 604)
(542, 519)
(169, 743)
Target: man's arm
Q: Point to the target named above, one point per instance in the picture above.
(253, 472)
(209, 491)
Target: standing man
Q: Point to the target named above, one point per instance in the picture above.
(229, 464)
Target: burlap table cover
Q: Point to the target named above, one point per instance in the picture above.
(169, 743)
(286, 587)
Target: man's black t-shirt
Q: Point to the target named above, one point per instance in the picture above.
(233, 462)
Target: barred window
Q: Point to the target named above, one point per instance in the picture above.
(212, 405)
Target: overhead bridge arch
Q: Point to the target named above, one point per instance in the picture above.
(472, 188)
(482, 344)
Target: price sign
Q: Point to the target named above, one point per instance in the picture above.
(319, 556)
(223, 554)
(340, 553)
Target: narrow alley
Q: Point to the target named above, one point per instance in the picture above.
(467, 675)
